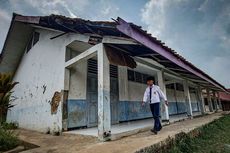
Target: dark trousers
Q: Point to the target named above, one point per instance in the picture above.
(155, 109)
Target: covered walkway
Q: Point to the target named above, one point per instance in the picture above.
(69, 143)
(129, 128)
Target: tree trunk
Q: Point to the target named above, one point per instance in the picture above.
(2, 115)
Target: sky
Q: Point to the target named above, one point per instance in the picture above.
(199, 30)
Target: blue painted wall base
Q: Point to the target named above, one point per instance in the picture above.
(77, 113)
(127, 111)
(132, 110)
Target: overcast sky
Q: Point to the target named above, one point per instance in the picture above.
(199, 30)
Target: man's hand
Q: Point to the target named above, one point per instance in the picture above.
(166, 103)
(143, 103)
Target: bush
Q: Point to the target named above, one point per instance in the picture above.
(6, 86)
(8, 126)
(8, 139)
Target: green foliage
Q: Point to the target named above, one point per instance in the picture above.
(6, 85)
(8, 140)
(211, 138)
(8, 126)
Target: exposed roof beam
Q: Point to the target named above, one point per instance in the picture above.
(118, 40)
(177, 69)
(165, 61)
(199, 81)
(170, 82)
(150, 54)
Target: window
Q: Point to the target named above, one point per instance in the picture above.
(92, 68)
(131, 75)
(192, 90)
(34, 39)
(137, 76)
(179, 87)
(170, 86)
(145, 76)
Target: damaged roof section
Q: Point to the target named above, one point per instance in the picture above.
(75, 25)
(146, 47)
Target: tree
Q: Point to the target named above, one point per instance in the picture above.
(6, 85)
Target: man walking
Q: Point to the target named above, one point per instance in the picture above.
(153, 94)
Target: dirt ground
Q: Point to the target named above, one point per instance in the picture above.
(69, 143)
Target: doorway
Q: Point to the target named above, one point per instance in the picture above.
(92, 94)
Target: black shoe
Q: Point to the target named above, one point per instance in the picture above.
(153, 131)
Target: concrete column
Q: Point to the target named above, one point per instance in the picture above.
(188, 99)
(123, 83)
(209, 100)
(201, 101)
(66, 79)
(64, 99)
(104, 116)
(215, 100)
(218, 98)
(164, 108)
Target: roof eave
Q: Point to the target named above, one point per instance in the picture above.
(145, 39)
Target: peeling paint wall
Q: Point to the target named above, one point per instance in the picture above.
(77, 105)
(177, 104)
(40, 74)
(194, 102)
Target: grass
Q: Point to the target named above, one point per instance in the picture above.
(211, 138)
(8, 139)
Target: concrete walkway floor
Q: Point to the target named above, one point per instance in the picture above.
(127, 128)
(71, 143)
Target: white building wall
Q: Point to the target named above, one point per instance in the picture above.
(78, 81)
(136, 91)
(40, 74)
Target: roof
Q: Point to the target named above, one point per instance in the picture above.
(149, 46)
(225, 96)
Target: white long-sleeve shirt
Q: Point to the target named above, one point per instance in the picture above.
(156, 96)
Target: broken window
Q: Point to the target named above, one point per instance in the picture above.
(33, 40)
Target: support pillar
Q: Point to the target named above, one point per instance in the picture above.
(64, 99)
(164, 108)
(209, 100)
(215, 101)
(188, 99)
(201, 101)
(104, 116)
(123, 83)
(219, 101)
